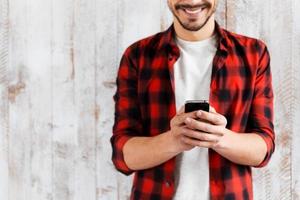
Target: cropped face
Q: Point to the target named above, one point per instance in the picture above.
(192, 15)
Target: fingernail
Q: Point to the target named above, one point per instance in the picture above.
(199, 112)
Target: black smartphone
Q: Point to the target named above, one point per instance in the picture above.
(193, 105)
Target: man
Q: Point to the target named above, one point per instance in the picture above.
(196, 155)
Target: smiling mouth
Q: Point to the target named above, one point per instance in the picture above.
(193, 11)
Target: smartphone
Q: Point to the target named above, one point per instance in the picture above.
(193, 105)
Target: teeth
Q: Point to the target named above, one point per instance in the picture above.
(192, 11)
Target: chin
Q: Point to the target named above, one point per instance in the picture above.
(193, 26)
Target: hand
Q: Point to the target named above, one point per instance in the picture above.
(178, 129)
(209, 130)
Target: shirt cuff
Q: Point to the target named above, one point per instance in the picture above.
(118, 142)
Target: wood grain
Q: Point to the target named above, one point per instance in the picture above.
(295, 108)
(221, 13)
(58, 65)
(64, 106)
(4, 112)
(20, 122)
(107, 41)
(84, 76)
(39, 98)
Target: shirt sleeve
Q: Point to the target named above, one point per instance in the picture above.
(261, 114)
(127, 122)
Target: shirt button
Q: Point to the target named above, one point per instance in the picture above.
(167, 183)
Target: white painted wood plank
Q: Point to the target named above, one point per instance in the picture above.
(84, 41)
(166, 17)
(245, 16)
(296, 106)
(19, 103)
(107, 53)
(221, 13)
(4, 132)
(64, 113)
(39, 91)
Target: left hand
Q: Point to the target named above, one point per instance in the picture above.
(208, 131)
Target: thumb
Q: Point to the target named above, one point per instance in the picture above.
(212, 109)
(181, 110)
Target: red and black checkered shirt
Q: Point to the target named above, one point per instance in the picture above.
(240, 89)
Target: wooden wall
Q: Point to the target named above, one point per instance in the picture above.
(58, 64)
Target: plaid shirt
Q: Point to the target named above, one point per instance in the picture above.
(241, 90)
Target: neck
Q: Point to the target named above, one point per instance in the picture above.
(202, 34)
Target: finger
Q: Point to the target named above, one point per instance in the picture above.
(203, 126)
(180, 130)
(180, 118)
(201, 135)
(214, 118)
(198, 143)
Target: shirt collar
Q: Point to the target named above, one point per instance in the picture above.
(168, 40)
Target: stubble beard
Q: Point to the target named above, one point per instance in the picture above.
(187, 25)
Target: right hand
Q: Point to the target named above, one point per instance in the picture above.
(178, 128)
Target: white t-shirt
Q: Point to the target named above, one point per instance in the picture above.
(192, 75)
